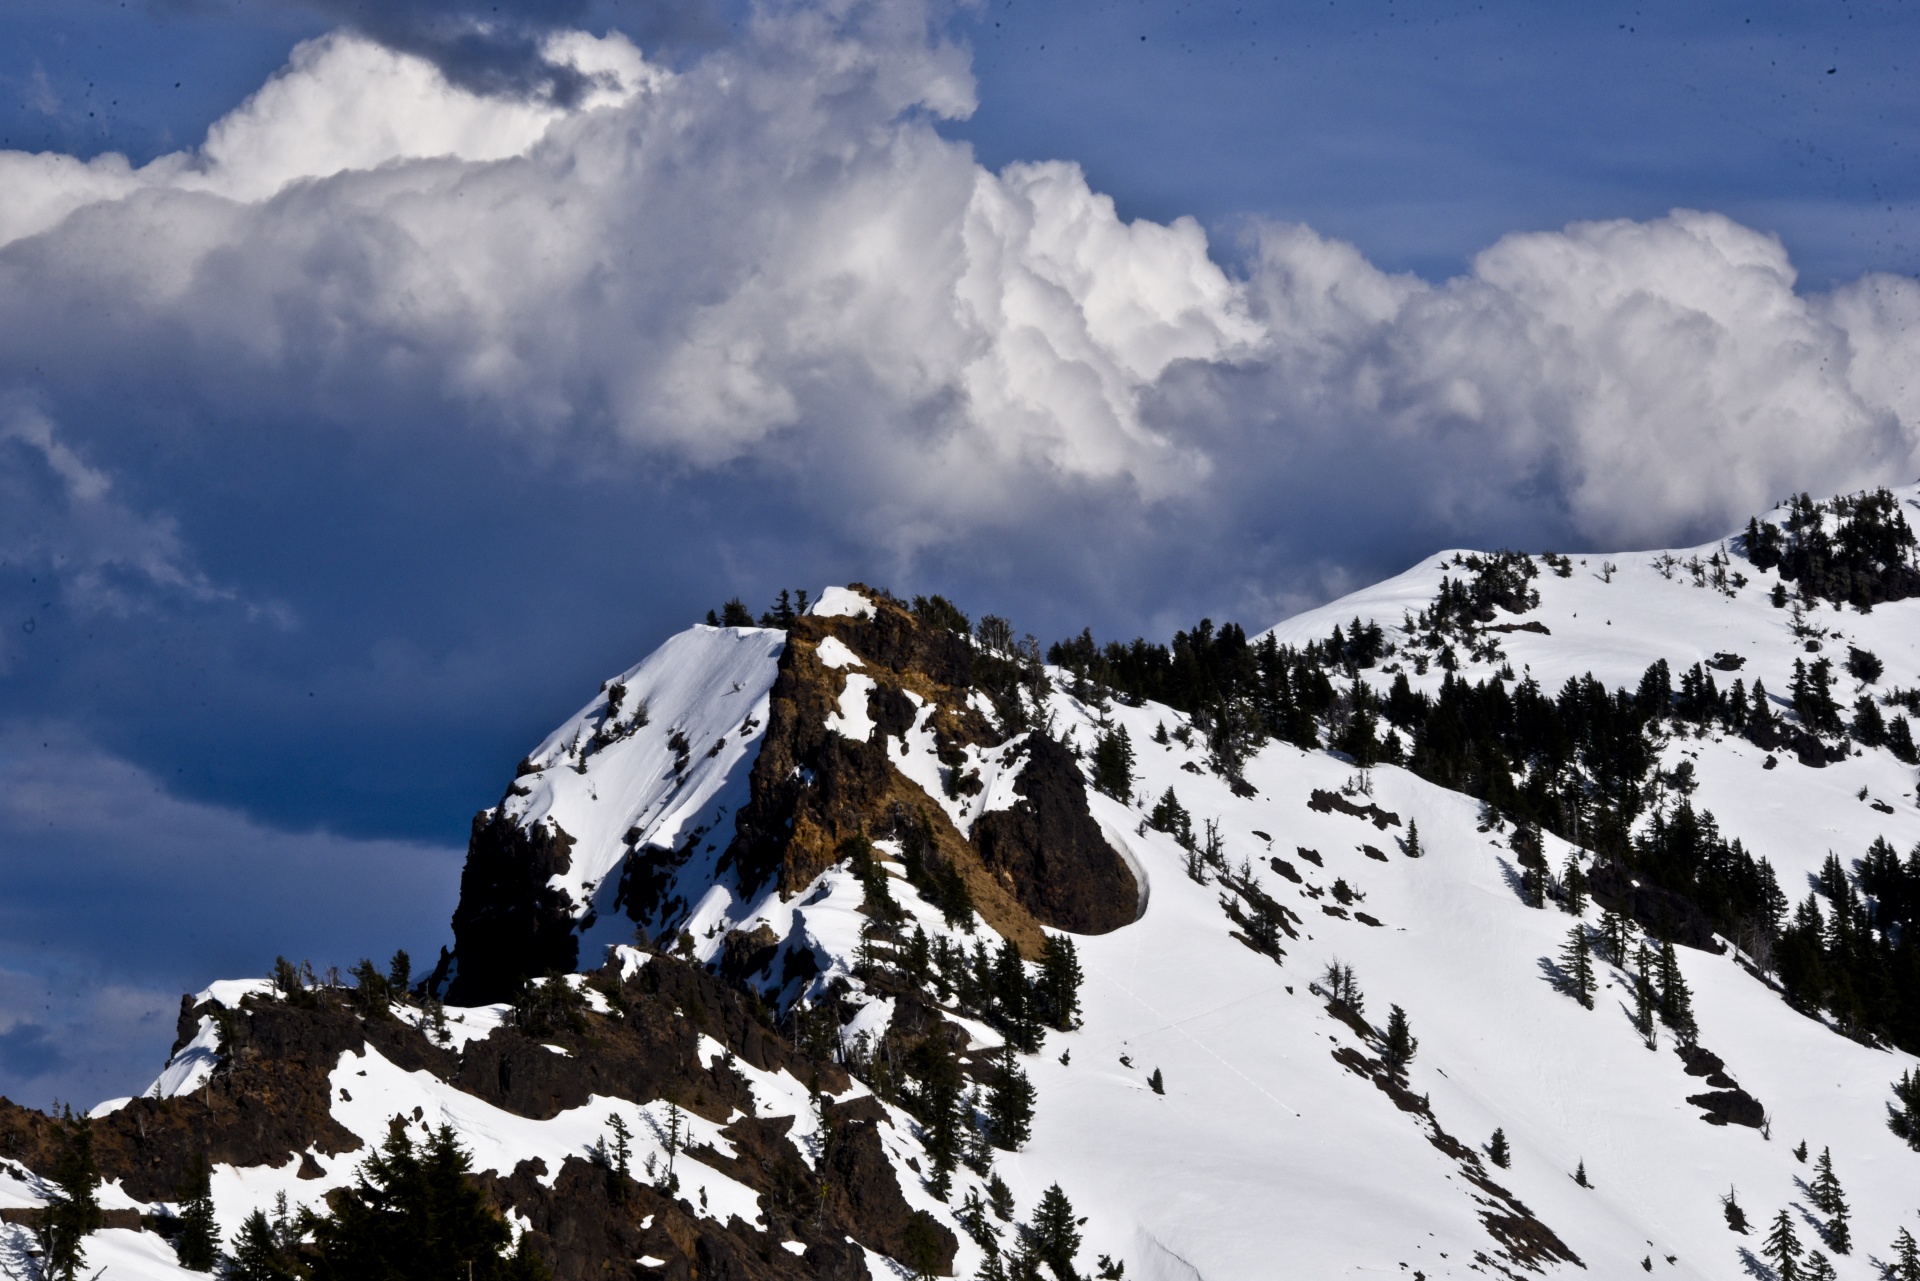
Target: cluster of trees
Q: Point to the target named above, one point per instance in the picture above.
(1238, 694)
(1859, 957)
(413, 1211)
(1865, 560)
(1048, 1244)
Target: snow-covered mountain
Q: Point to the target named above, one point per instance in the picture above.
(799, 889)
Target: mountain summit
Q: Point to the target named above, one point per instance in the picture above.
(1521, 915)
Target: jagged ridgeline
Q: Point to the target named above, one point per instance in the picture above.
(858, 939)
(844, 698)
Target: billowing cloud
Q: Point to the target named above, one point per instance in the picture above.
(339, 454)
(774, 255)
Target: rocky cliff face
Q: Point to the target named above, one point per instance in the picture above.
(815, 788)
(877, 727)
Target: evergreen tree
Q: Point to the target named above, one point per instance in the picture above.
(259, 1253)
(1055, 1234)
(400, 975)
(1644, 1003)
(417, 1213)
(1400, 1043)
(735, 614)
(1783, 1249)
(1580, 1174)
(1576, 962)
(1906, 1257)
(1905, 1119)
(1613, 936)
(1171, 817)
(72, 1212)
(1157, 1083)
(1010, 1104)
(1113, 765)
(1060, 978)
(197, 1244)
(1832, 1202)
(1820, 1268)
(1800, 1153)
(1574, 878)
(1676, 1001)
(1414, 849)
(1497, 1150)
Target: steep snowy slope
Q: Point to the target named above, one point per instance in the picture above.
(814, 813)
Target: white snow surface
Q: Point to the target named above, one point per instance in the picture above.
(708, 686)
(841, 602)
(1266, 1158)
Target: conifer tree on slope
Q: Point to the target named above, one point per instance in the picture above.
(1497, 1150)
(1676, 1000)
(1056, 1233)
(1906, 1257)
(259, 1253)
(1783, 1249)
(1576, 962)
(1832, 1202)
(1643, 998)
(1400, 1043)
(1010, 1103)
(197, 1244)
(72, 1213)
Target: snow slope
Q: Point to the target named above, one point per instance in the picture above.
(1268, 1156)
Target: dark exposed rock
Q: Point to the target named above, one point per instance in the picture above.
(863, 1191)
(510, 924)
(1050, 853)
(745, 953)
(1730, 1107)
(1325, 802)
(585, 1231)
(1661, 912)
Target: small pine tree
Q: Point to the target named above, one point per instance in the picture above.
(1010, 1104)
(1644, 1003)
(1906, 1257)
(72, 1212)
(1413, 840)
(1613, 936)
(1000, 1198)
(1400, 1043)
(1060, 979)
(1576, 962)
(1736, 1217)
(400, 975)
(197, 1244)
(1783, 1249)
(259, 1253)
(1157, 1083)
(1113, 765)
(1574, 879)
(1580, 1174)
(1676, 1000)
(1171, 817)
(1832, 1202)
(1905, 1119)
(1820, 1268)
(1056, 1233)
(1497, 1150)
(1800, 1153)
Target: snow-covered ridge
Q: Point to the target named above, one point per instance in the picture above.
(663, 749)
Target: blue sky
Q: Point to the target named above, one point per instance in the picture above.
(335, 469)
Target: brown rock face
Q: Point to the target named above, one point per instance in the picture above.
(1050, 853)
(1044, 862)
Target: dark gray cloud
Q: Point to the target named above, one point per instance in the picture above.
(500, 49)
